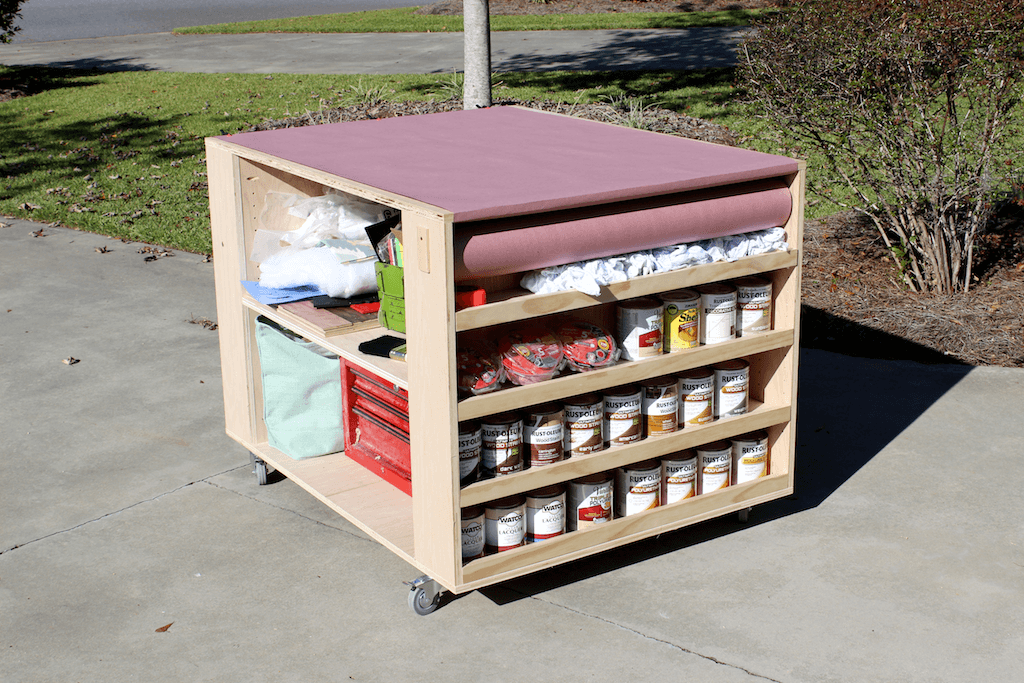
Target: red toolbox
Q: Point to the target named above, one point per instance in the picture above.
(376, 419)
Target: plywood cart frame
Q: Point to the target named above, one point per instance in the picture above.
(424, 529)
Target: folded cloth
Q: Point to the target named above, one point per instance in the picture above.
(271, 296)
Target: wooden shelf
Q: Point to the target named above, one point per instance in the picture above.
(758, 417)
(617, 532)
(346, 345)
(573, 384)
(520, 304)
(355, 493)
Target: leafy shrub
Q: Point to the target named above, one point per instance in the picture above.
(910, 106)
(8, 13)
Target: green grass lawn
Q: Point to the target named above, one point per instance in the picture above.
(122, 154)
(404, 20)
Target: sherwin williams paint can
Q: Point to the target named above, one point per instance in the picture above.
(753, 305)
(639, 323)
(659, 406)
(732, 385)
(682, 320)
(505, 524)
(470, 441)
(584, 416)
(717, 313)
(637, 488)
(714, 462)
(590, 501)
(696, 397)
(545, 513)
(472, 533)
(622, 416)
(749, 457)
(501, 449)
(678, 477)
(543, 434)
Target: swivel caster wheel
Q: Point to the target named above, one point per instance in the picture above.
(259, 468)
(424, 595)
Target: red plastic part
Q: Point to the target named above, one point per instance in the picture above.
(376, 418)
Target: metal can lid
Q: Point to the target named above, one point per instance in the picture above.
(658, 382)
(680, 457)
(583, 400)
(641, 303)
(547, 492)
(501, 419)
(680, 296)
(751, 437)
(596, 478)
(696, 373)
(544, 409)
(715, 288)
(752, 281)
(467, 428)
(472, 512)
(651, 464)
(506, 503)
(624, 391)
(729, 365)
(715, 446)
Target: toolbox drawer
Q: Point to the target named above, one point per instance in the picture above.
(376, 418)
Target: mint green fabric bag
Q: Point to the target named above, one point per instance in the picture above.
(301, 393)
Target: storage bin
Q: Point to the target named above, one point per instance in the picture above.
(301, 393)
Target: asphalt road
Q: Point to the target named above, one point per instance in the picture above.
(48, 20)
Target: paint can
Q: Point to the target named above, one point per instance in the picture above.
(696, 397)
(501, 450)
(470, 440)
(717, 313)
(543, 434)
(732, 384)
(637, 488)
(682, 320)
(639, 323)
(545, 513)
(678, 477)
(505, 524)
(472, 533)
(753, 305)
(584, 416)
(714, 462)
(590, 501)
(660, 406)
(622, 416)
(749, 457)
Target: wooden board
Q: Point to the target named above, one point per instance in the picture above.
(331, 321)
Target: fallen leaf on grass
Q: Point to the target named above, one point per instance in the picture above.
(25, 206)
(163, 629)
(70, 360)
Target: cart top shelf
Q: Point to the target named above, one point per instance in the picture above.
(505, 161)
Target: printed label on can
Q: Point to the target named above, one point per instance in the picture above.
(731, 384)
(473, 537)
(470, 442)
(660, 408)
(749, 459)
(545, 517)
(589, 504)
(583, 424)
(682, 321)
(713, 468)
(501, 450)
(753, 306)
(622, 419)
(505, 528)
(679, 479)
(639, 326)
(544, 437)
(696, 399)
(637, 490)
(718, 316)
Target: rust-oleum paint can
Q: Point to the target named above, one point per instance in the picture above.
(590, 501)
(718, 313)
(505, 524)
(714, 463)
(622, 416)
(753, 305)
(749, 457)
(696, 397)
(545, 513)
(584, 416)
(660, 406)
(678, 477)
(472, 533)
(732, 387)
(544, 426)
(501, 450)
(637, 488)
(470, 441)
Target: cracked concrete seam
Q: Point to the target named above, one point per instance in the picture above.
(205, 480)
(652, 638)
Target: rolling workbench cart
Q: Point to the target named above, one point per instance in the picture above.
(491, 172)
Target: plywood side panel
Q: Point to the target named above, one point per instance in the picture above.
(430, 326)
